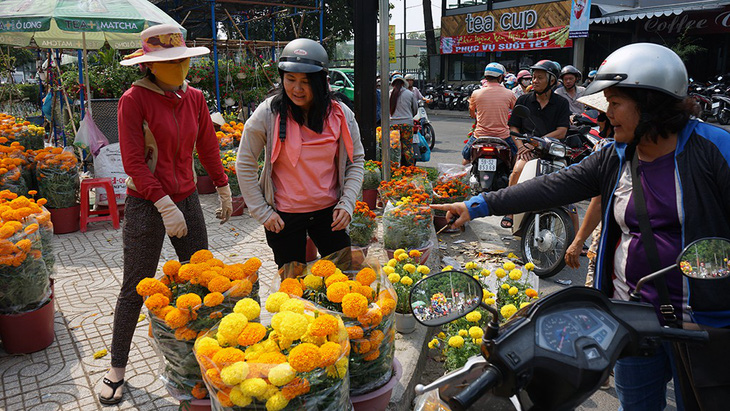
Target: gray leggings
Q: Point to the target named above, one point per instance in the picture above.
(143, 234)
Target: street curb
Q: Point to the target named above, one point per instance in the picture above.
(448, 113)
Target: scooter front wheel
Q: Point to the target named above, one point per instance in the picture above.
(429, 135)
(547, 249)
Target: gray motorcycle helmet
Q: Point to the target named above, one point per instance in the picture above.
(303, 56)
(642, 65)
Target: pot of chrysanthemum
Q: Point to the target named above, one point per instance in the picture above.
(370, 196)
(31, 331)
(65, 220)
(378, 400)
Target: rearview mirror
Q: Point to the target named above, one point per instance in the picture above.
(340, 83)
(706, 258)
(444, 297)
(521, 111)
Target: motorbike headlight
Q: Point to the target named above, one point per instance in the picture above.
(557, 150)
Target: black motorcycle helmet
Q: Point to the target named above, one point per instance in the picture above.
(552, 68)
(571, 70)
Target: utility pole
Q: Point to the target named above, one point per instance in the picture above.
(384, 71)
(366, 52)
(405, 35)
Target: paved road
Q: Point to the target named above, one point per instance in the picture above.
(451, 132)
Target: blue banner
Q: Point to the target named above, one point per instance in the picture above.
(580, 16)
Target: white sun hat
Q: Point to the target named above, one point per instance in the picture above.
(597, 101)
(162, 42)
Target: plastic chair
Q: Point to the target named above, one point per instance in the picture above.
(110, 214)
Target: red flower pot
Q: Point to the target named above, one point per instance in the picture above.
(311, 250)
(378, 400)
(205, 185)
(28, 332)
(238, 206)
(65, 220)
(370, 196)
(197, 405)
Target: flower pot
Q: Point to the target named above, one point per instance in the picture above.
(238, 206)
(311, 254)
(28, 332)
(425, 252)
(65, 220)
(370, 196)
(405, 323)
(196, 405)
(205, 185)
(440, 221)
(378, 400)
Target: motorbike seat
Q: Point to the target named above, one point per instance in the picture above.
(490, 140)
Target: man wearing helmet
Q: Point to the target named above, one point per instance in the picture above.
(664, 184)
(589, 79)
(491, 106)
(410, 79)
(550, 114)
(570, 76)
(524, 79)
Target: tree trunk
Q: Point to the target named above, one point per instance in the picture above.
(428, 25)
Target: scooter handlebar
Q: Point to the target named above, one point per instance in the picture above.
(515, 134)
(475, 390)
(685, 336)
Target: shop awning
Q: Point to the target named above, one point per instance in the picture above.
(616, 14)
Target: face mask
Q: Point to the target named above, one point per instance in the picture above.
(171, 73)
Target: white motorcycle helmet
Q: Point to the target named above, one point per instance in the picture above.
(642, 65)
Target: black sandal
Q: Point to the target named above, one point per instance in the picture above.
(114, 386)
(506, 222)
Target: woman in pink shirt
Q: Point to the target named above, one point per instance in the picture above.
(313, 162)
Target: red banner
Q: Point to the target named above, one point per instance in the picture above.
(516, 40)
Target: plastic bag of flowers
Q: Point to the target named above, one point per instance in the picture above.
(408, 223)
(22, 132)
(297, 362)
(57, 171)
(185, 302)
(395, 148)
(449, 191)
(363, 225)
(11, 177)
(449, 172)
(373, 175)
(358, 289)
(24, 276)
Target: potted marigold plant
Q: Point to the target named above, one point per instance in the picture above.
(403, 271)
(26, 297)
(57, 171)
(371, 181)
(230, 135)
(450, 191)
(229, 166)
(408, 224)
(188, 300)
(298, 361)
(203, 182)
(362, 227)
(366, 300)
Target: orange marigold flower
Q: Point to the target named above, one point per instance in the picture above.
(224, 398)
(162, 312)
(323, 268)
(372, 317)
(324, 325)
(219, 284)
(187, 271)
(31, 228)
(366, 276)
(329, 353)
(376, 338)
(199, 391)
(354, 305)
(251, 266)
(205, 355)
(335, 278)
(156, 302)
(189, 301)
(291, 286)
(366, 291)
(149, 286)
(201, 256)
(387, 305)
(372, 355)
(228, 356)
(214, 262)
(233, 272)
(171, 268)
(361, 345)
(213, 299)
(337, 291)
(240, 288)
(298, 386)
(251, 334)
(185, 334)
(214, 375)
(531, 293)
(215, 314)
(355, 332)
(176, 318)
(304, 357)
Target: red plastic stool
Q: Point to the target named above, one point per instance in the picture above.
(110, 214)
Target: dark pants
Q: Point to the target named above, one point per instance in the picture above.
(143, 234)
(290, 244)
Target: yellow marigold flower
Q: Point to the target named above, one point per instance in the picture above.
(456, 341)
(335, 278)
(508, 310)
(470, 265)
(219, 284)
(463, 333)
(291, 286)
(228, 356)
(189, 301)
(476, 332)
(407, 281)
(329, 353)
(476, 277)
(339, 370)
(414, 253)
(474, 317)
(388, 270)
(423, 269)
(201, 256)
(291, 325)
(235, 373)
(354, 305)
(248, 307)
(394, 278)
(282, 374)
(529, 266)
(441, 335)
(398, 252)
(150, 286)
(275, 300)
(323, 268)
(251, 334)
(489, 301)
(176, 318)
(508, 266)
(324, 325)
(213, 299)
(402, 257)
(230, 327)
(366, 276)
(531, 293)
(276, 402)
(337, 291)
(485, 272)
(304, 357)
(206, 342)
(293, 305)
(433, 344)
(500, 273)
(448, 268)
(238, 398)
(513, 290)
(409, 268)
(171, 268)
(253, 387)
(313, 282)
(392, 262)
(523, 305)
(156, 302)
(505, 286)
(515, 274)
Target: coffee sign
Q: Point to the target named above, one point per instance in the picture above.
(692, 22)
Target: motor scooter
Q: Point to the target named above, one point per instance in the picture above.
(721, 103)
(421, 118)
(492, 161)
(554, 353)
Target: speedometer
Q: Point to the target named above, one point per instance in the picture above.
(558, 333)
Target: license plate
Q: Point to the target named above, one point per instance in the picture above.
(487, 164)
(716, 104)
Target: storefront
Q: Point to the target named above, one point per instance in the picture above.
(516, 36)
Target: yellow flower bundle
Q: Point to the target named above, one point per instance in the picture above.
(23, 132)
(298, 361)
(57, 171)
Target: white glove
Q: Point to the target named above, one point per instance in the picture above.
(172, 217)
(226, 208)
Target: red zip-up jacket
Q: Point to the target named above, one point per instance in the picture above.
(158, 131)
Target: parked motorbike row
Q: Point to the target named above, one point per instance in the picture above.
(713, 98)
(449, 97)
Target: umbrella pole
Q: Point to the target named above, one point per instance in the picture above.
(87, 86)
(63, 92)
